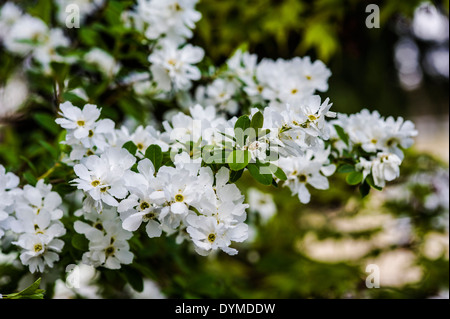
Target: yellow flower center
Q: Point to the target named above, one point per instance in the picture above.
(95, 183)
(144, 205)
(37, 248)
(110, 250)
(302, 178)
(104, 189)
(211, 238)
(312, 117)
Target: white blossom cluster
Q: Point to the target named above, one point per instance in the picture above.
(186, 199)
(26, 35)
(167, 24)
(268, 82)
(31, 216)
(160, 181)
(382, 139)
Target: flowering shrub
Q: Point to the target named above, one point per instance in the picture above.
(176, 174)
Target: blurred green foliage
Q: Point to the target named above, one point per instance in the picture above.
(334, 31)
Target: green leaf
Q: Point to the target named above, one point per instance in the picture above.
(364, 189)
(31, 289)
(280, 174)
(257, 121)
(51, 149)
(346, 168)
(134, 278)
(80, 242)
(47, 122)
(235, 175)
(154, 154)
(73, 98)
(274, 183)
(30, 178)
(32, 292)
(341, 133)
(30, 163)
(214, 156)
(238, 159)
(354, 178)
(130, 147)
(242, 124)
(369, 180)
(265, 179)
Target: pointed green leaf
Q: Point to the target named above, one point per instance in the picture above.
(154, 154)
(369, 180)
(130, 147)
(346, 168)
(265, 179)
(341, 133)
(354, 178)
(280, 174)
(257, 121)
(238, 159)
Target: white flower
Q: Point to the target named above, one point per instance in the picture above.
(38, 251)
(398, 133)
(37, 225)
(40, 199)
(108, 242)
(314, 75)
(8, 184)
(93, 227)
(46, 51)
(144, 137)
(13, 94)
(302, 171)
(221, 94)
(143, 203)
(80, 122)
(9, 14)
(103, 60)
(243, 65)
(173, 66)
(262, 203)
(386, 167)
(207, 234)
(373, 133)
(364, 166)
(183, 128)
(8, 180)
(102, 177)
(174, 19)
(180, 189)
(25, 34)
(43, 223)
